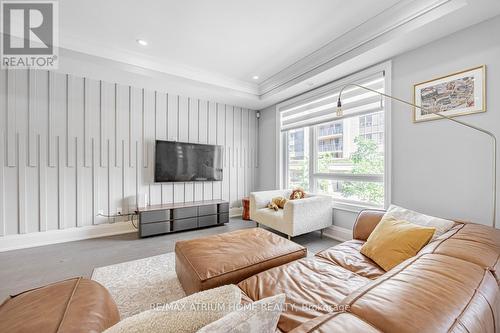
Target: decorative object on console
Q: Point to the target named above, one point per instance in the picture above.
(450, 118)
(452, 95)
(245, 202)
(393, 241)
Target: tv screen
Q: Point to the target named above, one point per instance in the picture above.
(187, 162)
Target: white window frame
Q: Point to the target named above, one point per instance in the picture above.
(281, 141)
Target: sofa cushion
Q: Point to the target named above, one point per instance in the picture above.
(394, 241)
(336, 322)
(348, 255)
(400, 213)
(74, 305)
(313, 286)
(475, 243)
(429, 293)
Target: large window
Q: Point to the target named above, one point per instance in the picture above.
(343, 157)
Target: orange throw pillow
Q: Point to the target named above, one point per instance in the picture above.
(393, 241)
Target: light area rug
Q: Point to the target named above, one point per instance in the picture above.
(138, 285)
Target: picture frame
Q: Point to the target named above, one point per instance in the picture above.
(455, 95)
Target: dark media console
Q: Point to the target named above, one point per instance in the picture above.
(163, 219)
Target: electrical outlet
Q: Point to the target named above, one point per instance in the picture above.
(119, 211)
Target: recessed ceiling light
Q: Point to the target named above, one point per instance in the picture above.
(142, 42)
(255, 77)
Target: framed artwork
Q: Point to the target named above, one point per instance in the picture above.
(452, 95)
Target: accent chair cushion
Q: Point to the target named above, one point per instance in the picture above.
(393, 241)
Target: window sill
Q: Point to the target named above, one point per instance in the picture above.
(353, 207)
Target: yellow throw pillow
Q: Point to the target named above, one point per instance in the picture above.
(393, 241)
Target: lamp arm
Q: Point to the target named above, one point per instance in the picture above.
(437, 113)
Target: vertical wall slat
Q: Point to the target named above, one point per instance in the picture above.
(2, 184)
(172, 120)
(78, 186)
(76, 142)
(51, 142)
(60, 184)
(32, 111)
(21, 182)
(86, 123)
(10, 121)
(69, 123)
(42, 185)
(95, 179)
(101, 125)
(143, 134)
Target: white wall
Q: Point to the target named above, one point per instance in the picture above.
(72, 147)
(437, 167)
(266, 172)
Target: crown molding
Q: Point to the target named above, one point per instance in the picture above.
(400, 28)
(401, 18)
(157, 64)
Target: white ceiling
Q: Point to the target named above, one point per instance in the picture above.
(223, 43)
(236, 39)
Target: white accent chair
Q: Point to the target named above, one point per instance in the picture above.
(314, 212)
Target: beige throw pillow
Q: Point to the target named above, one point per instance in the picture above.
(257, 317)
(186, 315)
(400, 213)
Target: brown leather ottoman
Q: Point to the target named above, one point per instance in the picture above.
(74, 305)
(217, 260)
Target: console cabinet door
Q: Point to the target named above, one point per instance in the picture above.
(184, 224)
(149, 229)
(207, 210)
(205, 221)
(182, 213)
(155, 216)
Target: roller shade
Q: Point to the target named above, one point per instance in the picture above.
(322, 107)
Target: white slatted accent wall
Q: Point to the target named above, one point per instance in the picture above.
(72, 147)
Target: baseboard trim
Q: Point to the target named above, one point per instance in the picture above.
(338, 233)
(235, 212)
(15, 242)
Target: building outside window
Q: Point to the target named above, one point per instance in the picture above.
(345, 157)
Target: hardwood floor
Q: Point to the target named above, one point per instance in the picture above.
(29, 268)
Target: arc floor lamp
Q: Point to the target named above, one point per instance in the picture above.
(473, 127)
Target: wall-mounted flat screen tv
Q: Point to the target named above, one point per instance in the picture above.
(187, 162)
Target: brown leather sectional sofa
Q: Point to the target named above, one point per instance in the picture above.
(452, 285)
(75, 305)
